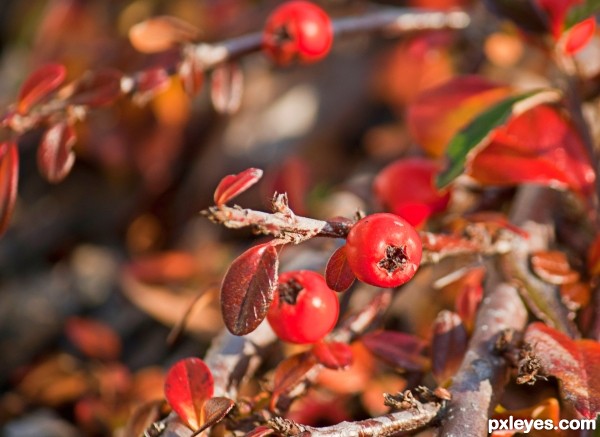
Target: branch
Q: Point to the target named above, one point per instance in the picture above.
(387, 425)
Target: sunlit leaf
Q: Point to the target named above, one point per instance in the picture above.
(94, 338)
(39, 85)
(227, 88)
(338, 274)
(448, 345)
(248, 288)
(9, 177)
(576, 295)
(234, 184)
(439, 113)
(161, 33)
(97, 88)
(397, 348)
(553, 267)
(474, 134)
(575, 363)
(188, 385)
(55, 156)
(215, 410)
(538, 146)
(289, 373)
(333, 355)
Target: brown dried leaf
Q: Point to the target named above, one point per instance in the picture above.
(55, 156)
(338, 274)
(248, 288)
(553, 267)
(227, 88)
(289, 373)
(144, 416)
(448, 345)
(39, 85)
(161, 33)
(215, 410)
(9, 176)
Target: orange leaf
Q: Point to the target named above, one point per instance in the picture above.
(188, 385)
(553, 267)
(161, 33)
(94, 338)
(575, 363)
(439, 113)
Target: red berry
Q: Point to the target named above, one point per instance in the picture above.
(297, 30)
(406, 188)
(304, 308)
(383, 250)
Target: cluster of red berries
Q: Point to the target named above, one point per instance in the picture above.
(297, 31)
(381, 249)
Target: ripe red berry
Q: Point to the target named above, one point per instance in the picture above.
(406, 188)
(297, 30)
(304, 308)
(383, 250)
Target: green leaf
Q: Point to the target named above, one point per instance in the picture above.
(581, 12)
(474, 133)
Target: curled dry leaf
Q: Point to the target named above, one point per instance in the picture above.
(575, 363)
(248, 288)
(55, 156)
(448, 345)
(289, 373)
(398, 349)
(97, 88)
(333, 355)
(188, 385)
(215, 410)
(93, 338)
(553, 267)
(338, 274)
(161, 33)
(9, 176)
(39, 85)
(234, 184)
(227, 88)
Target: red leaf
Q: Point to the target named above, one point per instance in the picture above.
(226, 88)
(215, 410)
(333, 355)
(260, 431)
(448, 345)
(289, 373)
(338, 274)
(470, 295)
(539, 146)
(188, 385)
(55, 156)
(397, 348)
(150, 82)
(577, 37)
(94, 338)
(39, 85)
(248, 287)
(575, 363)
(553, 267)
(9, 176)
(234, 184)
(440, 112)
(97, 88)
(161, 33)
